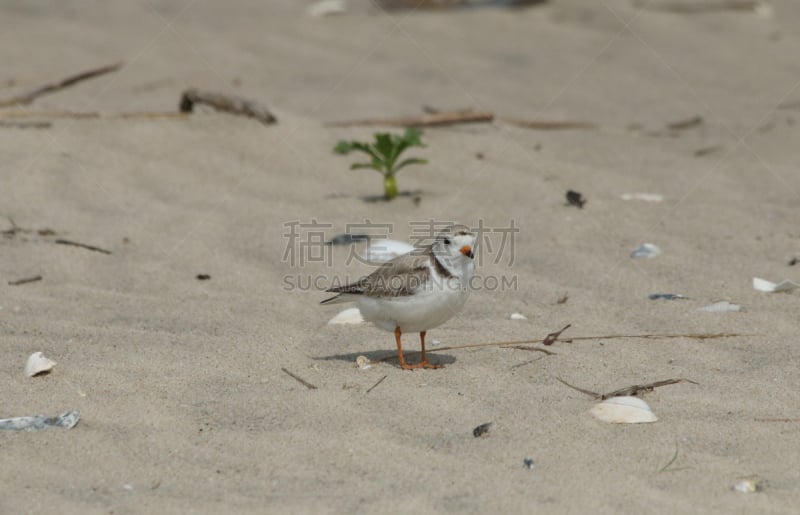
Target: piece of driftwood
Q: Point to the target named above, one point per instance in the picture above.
(27, 98)
(430, 119)
(227, 103)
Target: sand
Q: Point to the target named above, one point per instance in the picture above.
(184, 406)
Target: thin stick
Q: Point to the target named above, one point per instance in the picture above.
(534, 349)
(551, 338)
(26, 280)
(689, 123)
(435, 119)
(635, 389)
(547, 125)
(300, 380)
(628, 390)
(25, 125)
(696, 336)
(227, 103)
(83, 246)
(590, 393)
(79, 115)
(700, 7)
(376, 384)
(27, 98)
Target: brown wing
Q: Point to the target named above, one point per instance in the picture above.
(397, 278)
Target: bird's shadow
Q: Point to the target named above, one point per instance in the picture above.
(379, 356)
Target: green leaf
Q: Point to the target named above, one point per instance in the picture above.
(411, 161)
(413, 137)
(371, 166)
(344, 147)
(384, 145)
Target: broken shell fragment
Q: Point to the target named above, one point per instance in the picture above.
(37, 364)
(363, 362)
(518, 316)
(66, 420)
(770, 287)
(647, 197)
(646, 250)
(721, 307)
(348, 316)
(749, 485)
(623, 410)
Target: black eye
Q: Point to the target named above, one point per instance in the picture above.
(447, 241)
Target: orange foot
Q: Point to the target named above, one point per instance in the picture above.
(421, 364)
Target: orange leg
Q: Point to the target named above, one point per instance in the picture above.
(424, 363)
(405, 366)
(400, 357)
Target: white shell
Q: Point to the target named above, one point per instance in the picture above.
(348, 316)
(770, 287)
(721, 307)
(38, 364)
(518, 316)
(385, 250)
(623, 410)
(363, 362)
(646, 250)
(647, 197)
(326, 8)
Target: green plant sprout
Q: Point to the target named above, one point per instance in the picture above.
(384, 153)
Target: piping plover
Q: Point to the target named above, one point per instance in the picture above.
(417, 291)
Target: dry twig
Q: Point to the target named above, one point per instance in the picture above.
(83, 246)
(299, 380)
(628, 390)
(689, 123)
(547, 125)
(82, 115)
(25, 280)
(431, 119)
(695, 7)
(551, 338)
(226, 103)
(27, 98)
(376, 384)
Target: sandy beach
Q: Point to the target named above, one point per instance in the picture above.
(184, 385)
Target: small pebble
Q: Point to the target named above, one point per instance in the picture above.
(575, 198)
(481, 430)
(528, 463)
(203, 277)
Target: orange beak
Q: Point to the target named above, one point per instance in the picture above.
(467, 251)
